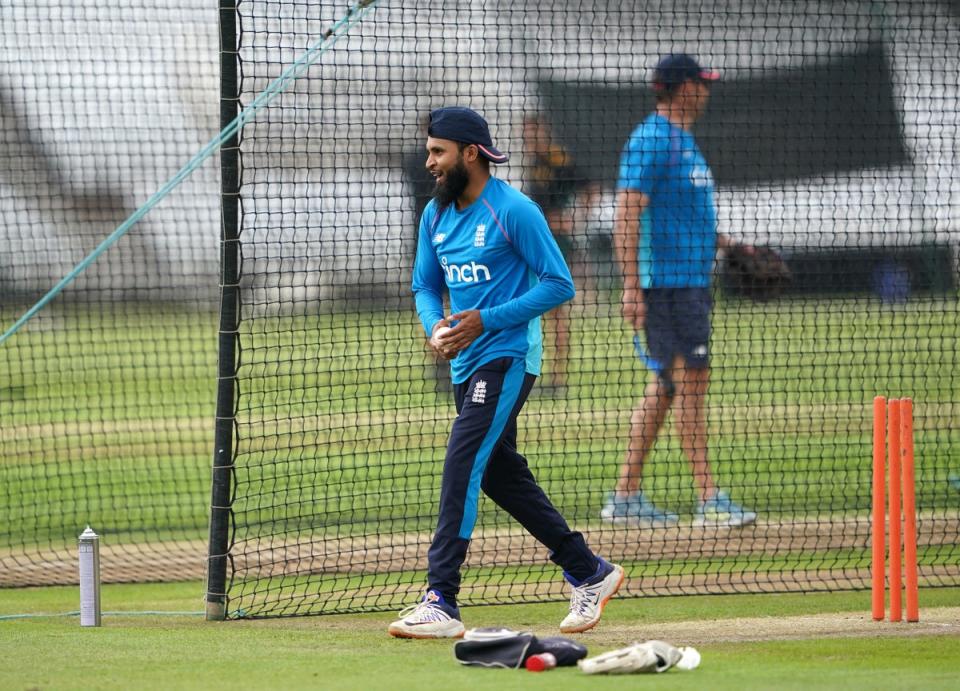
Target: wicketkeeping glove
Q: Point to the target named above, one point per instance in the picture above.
(758, 273)
(648, 657)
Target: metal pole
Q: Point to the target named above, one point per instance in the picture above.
(220, 501)
(89, 551)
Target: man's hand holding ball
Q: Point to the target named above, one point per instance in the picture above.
(447, 342)
(438, 343)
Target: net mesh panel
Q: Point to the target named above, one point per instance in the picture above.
(106, 396)
(832, 138)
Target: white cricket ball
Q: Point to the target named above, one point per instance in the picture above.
(690, 659)
(435, 339)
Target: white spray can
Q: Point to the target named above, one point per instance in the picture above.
(89, 548)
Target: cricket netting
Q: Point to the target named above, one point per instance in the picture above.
(831, 137)
(106, 395)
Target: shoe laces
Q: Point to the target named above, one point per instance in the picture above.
(720, 502)
(424, 611)
(645, 507)
(584, 597)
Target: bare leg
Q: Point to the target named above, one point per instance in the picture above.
(645, 423)
(557, 321)
(690, 413)
(556, 330)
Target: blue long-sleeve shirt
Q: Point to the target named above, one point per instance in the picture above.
(497, 256)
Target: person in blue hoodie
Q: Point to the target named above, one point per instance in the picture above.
(488, 246)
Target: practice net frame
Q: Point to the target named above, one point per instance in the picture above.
(831, 137)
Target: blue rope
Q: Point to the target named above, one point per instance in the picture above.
(277, 86)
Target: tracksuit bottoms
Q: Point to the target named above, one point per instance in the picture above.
(482, 454)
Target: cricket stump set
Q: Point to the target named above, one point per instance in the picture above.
(893, 448)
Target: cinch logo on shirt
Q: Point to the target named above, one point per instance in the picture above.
(464, 273)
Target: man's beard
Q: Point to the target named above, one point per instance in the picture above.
(453, 186)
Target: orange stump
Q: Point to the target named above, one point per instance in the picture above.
(879, 504)
(896, 565)
(909, 509)
(893, 447)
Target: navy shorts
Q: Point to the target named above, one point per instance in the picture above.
(678, 323)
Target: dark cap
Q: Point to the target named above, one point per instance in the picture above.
(673, 70)
(463, 125)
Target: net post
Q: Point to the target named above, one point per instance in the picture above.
(220, 501)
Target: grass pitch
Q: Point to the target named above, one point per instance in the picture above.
(164, 651)
(108, 420)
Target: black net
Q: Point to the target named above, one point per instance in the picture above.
(831, 137)
(106, 396)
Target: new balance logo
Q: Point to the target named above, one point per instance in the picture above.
(438, 238)
(479, 392)
(464, 273)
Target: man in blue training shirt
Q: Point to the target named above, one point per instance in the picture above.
(666, 238)
(490, 248)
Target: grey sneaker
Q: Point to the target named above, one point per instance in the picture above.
(721, 510)
(432, 617)
(635, 509)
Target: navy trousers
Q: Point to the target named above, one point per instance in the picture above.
(482, 454)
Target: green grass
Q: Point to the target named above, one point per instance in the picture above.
(147, 651)
(108, 420)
